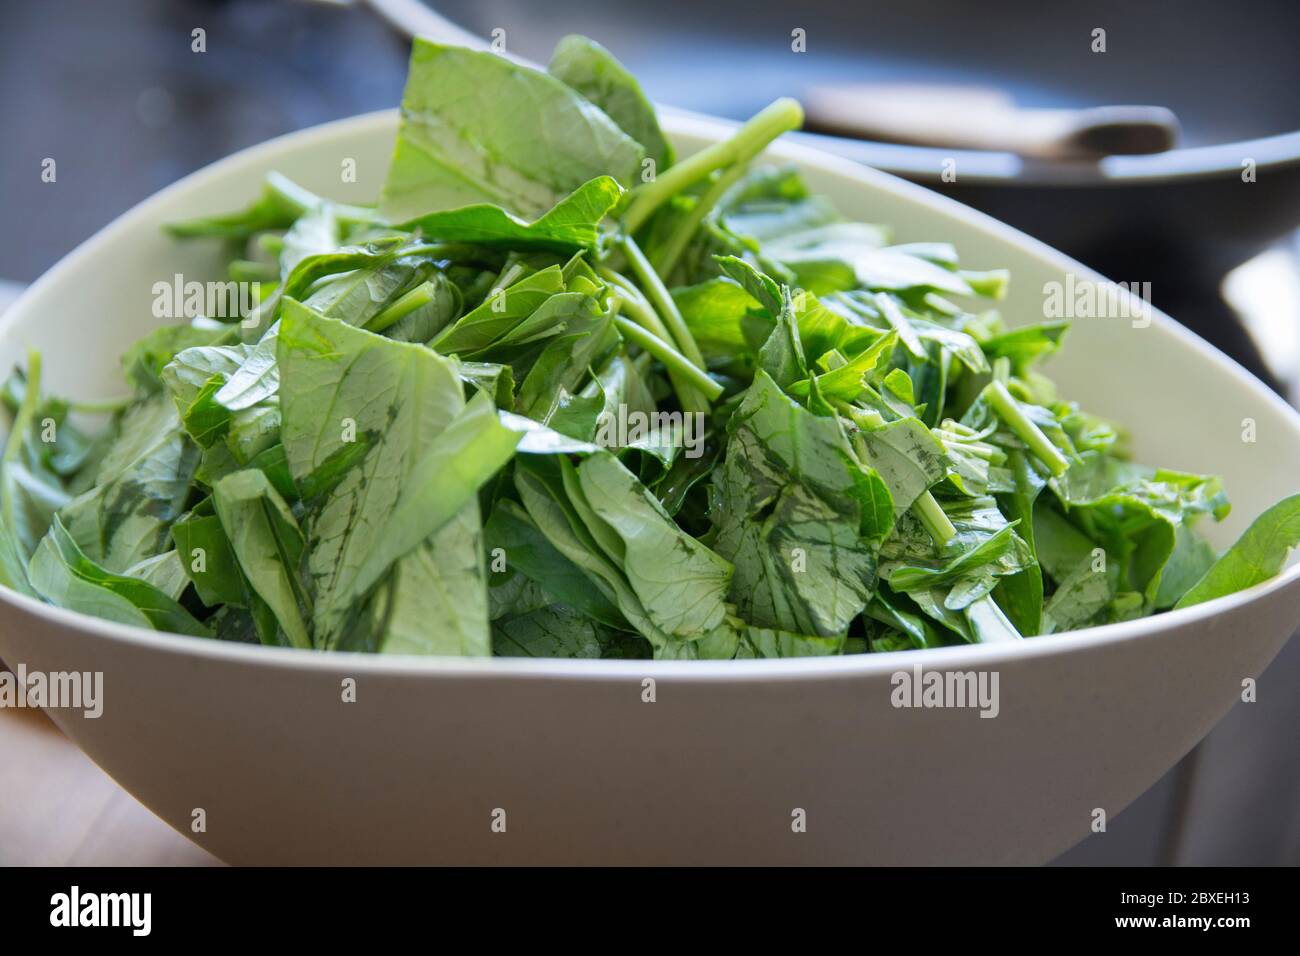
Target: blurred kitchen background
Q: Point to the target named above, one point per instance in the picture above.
(113, 91)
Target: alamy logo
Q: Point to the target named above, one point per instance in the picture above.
(957, 689)
(62, 690)
(627, 428)
(179, 299)
(74, 908)
(1088, 299)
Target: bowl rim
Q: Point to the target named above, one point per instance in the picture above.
(835, 667)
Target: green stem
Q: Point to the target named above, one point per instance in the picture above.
(688, 396)
(668, 254)
(12, 569)
(635, 304)
(866, 419)
(297, 200)
(941, 529)
(748, 142)
(933, 518)
(244, 270)
(103, 406)
(508, 278)
(1003, 630)
(229, 337)
(979, 451)
(671, 359)
(26, 411)
(420, 296)
(662, 300)
(630, 300)
(1010, 412)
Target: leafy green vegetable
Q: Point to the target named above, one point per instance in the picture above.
(798, 514)
(441, 581)
(569, 226)
(140, 488)
(591, 70)
(268, 545)
(679, 581)
(1257, 556)
(359, 426)
(208, 559)
(559, 631)
(63, 575)
(477, 128)
(564, 395)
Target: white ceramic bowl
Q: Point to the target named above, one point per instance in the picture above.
(716, 768)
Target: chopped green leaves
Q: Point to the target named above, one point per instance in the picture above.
(569, 226)
(561, 395)
(1257, 556)
(62, 574)
(477, 128)
(590, 69)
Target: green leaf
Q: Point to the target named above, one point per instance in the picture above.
(563, 364)
(477, 128)
(1081, 598)
(63, 575)
(495, 381)
(907, 457)
(526, 550)
(315, 233)
(363, 432)
(504, 312)
(360, 296)
(897, 612)
(1027, 344)
(772, 202)
(1134, 512)
(715, 311)
(266, 212)
(766, 642)
(761, 288)
(140, 489)
(1256, 556)
(1021, 595)
(848, 381)
(569, 226)
(207, 558)
(680, 582)
(1192, 557)
(164, 571)
(144, 361)
(458, 461)
(1001, 553)
(590, 69)
(560, 631)
(541, 488)
(782, 356)
(268, 544)
(228, 393)
(435, 600)
(798, 515)
(841, 256)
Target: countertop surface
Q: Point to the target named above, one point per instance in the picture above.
(57, 808)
